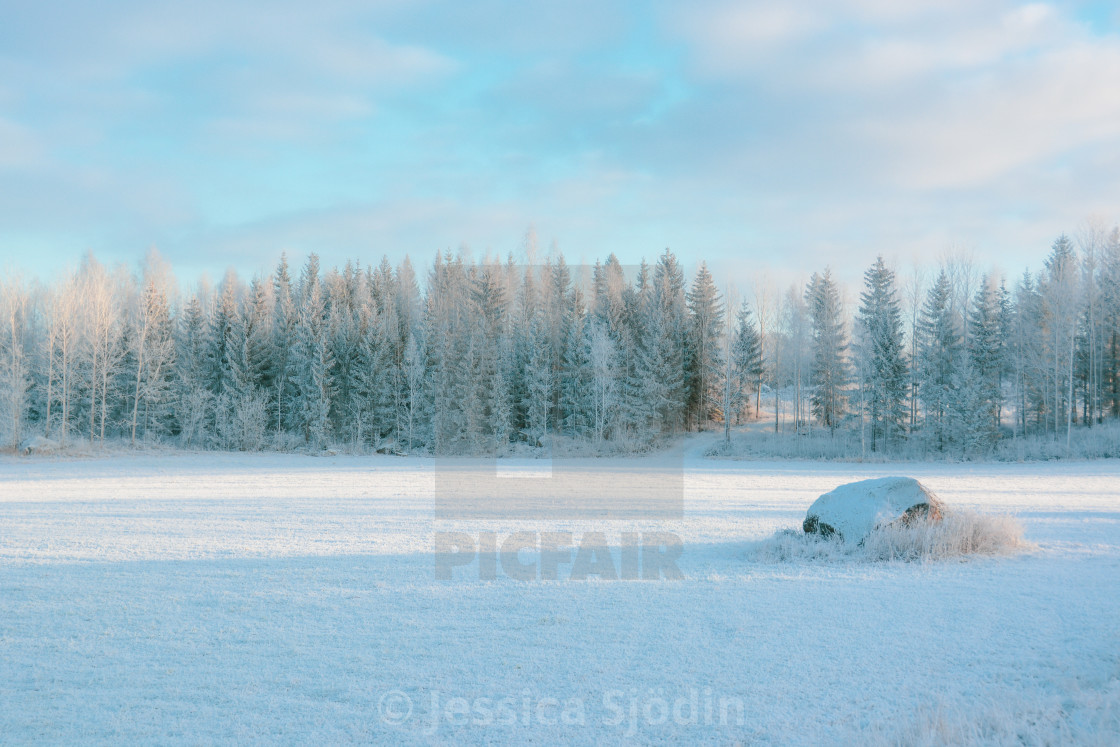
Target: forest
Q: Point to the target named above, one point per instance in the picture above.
(491, 357)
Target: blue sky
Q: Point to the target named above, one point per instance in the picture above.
(782, 135)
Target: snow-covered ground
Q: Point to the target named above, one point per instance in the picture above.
(279, 598)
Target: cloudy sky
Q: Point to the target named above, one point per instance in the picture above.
(788, 134)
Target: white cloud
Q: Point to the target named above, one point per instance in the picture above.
(20, 148)
(795, 130)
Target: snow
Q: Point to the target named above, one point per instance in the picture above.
(855, 509)
(280, 598)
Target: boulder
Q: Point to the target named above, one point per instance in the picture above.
(852, 511)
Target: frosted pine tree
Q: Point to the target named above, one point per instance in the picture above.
(666, 344)
(450, 358)
(560, 300)
(940, 352)
(884, 372)
(705, 349)
(490, 377)
(371, 405)
(312, 360)
(193, 393)
(638, 408)
(285, 316)
(227, 363)
(226, 315)
(401, 323)
(985, 348)
(538, 381)
(259, 334)
(829, 345)
(746, 361)
(660, 369)
(1030, 369)
(344, 292)
(414, 419)
(576, 394)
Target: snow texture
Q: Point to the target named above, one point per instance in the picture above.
(856, 509)
(264, 598)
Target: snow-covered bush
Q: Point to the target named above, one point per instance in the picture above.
(1102, 441)
(242, 421)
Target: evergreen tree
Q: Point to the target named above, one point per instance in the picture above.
(371, 398)
(980, 407)
(829, 344)
(884, 375)
(940, 361)
(705, 355)
(538, 381)
(746, 360)
(488, 353)
(283, 341)
(312, 360)
(577, 401)
(665, 350)
(192, 382)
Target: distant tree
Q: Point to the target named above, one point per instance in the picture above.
(1060, 307)
(884, 375)
(829, 343)
(15, 370)
(705, 356)
(153, 357)
(313, 360)
(102, 342)
(940, 350)
(746, 361)
(980, 407)
(193, 391)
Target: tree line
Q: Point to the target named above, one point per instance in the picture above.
(489, 356)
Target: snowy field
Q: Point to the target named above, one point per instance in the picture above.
(280, 598)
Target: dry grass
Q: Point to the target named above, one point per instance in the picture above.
(958, 534)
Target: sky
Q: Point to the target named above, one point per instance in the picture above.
(785, 136)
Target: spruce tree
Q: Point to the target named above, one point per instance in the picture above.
(884, 375)
(192, 376)
(705, 352)
(829, 344)
(313, 362)
(285, 316)
(746, 360)
(940, 347)
(985, 365)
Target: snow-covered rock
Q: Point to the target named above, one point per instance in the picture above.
(38, 445)
(853, 510)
